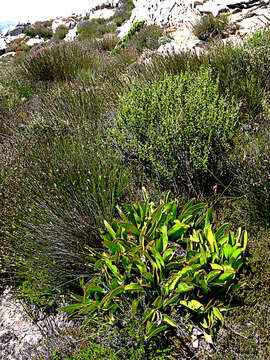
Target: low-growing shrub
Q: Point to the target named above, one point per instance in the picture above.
(210, 26)
(61, 32)
(179, 128)
(146, 38)
(41, 31)
(59, 62)
(161, 261)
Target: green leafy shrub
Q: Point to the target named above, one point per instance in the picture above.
(210, 26)
(178, 128)
(146, 38)
(161, 257)
(59, 62)
(61, 32)
(41, 31)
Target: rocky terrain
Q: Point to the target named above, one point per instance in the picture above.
(177, 17)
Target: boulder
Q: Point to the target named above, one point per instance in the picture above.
(68, 22)
(3, 45)
(18, 29)
(103, 13)
(34, 41)
(71, 35)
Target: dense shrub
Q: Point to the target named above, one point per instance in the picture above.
(41, 31)
(59, 62)
(147, 38)
(61, 32)
(179, 128)
(210, 26)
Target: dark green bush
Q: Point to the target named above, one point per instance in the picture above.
(179, 128)
(41, 31)
(60, 62)
(210, 26)
(61, 32)
(147, 38)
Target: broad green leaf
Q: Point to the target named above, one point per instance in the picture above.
(221, 230)
(164, 232)
(72, 307)
(133, 287)
(110, 229)
(212, 240)
(157, 304)
(177, 231)
(226, 275)
(89, 309)
(148, 314)
(169, 320)
(203, 256)
(168, 255)
(187, 206)
(105, 301)
(192, 304)
(228, 250)
(154, 330)
(92, 288)
(236, 253)
(77, 297)
(111, 245)
(218, 314)
(134, 307)
(184, 287)
(236, 287)
(212, 275)
(244, 240)
(171, 300)
(216, 267)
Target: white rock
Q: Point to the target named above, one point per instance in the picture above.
(102, 14)
(170, 49)
(9, 39)
(68, 22)
(71, 35)
(34, 41)
(11, 53)
(3, 44)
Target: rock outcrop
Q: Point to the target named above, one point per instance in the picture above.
(25, 332)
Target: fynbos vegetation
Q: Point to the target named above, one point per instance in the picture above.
(89, 133)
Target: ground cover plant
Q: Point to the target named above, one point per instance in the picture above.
(168, 256)
(82, 128)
